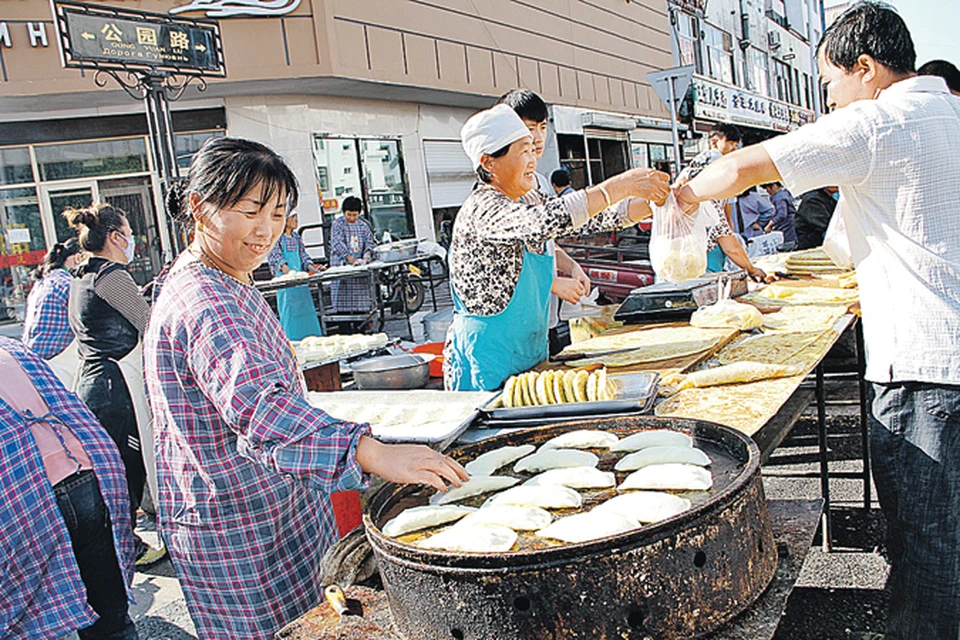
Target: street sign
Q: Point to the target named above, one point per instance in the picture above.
(681, 76)
(124, 39)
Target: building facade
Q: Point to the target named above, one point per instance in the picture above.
(362, 97)
(755, 64)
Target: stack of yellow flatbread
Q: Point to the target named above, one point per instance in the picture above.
(812, 262)
(535, 388)
(801, 348)
(647, 345)
(807, 295)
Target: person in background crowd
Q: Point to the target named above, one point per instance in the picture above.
(298, 315)
(784, 216)
(722, 242)
(351, 242)
(500, 270)
(560, 180)
(813, 216)
(65, 544)
(946, 70)
(108, 316)
(46, 327)
(891, 146)
(750, 212)
(570, 282)
(246, 465)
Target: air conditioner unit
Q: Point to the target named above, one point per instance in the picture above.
(773, 37)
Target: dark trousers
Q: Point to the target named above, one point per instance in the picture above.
(103, 389)
(91, 535)
(915, 445)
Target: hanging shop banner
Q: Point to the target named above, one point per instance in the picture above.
(123, 39)
(723, 103)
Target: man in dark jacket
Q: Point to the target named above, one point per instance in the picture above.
(813, 215)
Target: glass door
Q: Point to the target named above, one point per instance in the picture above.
(134, 197)
(59, 198)
(385, 187)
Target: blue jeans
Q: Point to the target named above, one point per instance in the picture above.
(915, 444)
(91, 535)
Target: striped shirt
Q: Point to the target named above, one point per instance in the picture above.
(41, 592)
(245, 465)
(46, 325)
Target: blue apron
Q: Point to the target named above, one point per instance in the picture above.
(483, 351)
(295, 307)
(716, 259)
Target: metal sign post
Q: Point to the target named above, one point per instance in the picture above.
(152, 56)
(671, 85)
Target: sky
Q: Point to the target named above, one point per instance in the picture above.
(934, 25)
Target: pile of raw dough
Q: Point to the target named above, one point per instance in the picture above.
(680, 264)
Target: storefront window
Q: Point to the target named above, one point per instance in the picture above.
(15, 166)
(106, 157)
(22, 245)
(187, 144)
(370, 169)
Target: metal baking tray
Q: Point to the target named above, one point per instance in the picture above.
(646, 386)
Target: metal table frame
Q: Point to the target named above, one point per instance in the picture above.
(779, 426)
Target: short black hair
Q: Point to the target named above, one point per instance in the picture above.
(869, 28)
(767, 185)
(352, 203)
(560, 178)
(946, 70)
(726, 130)
(225, 169)
(527, 104)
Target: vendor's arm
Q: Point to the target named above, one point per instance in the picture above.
(409, 464)
(305, 260)
(568, 289)
(570, 267)
(278, 264)
(584, 211)
(368, 243)
(276, 426)
(734, 250)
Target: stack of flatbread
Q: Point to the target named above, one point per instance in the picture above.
(799, 318)
(628, 348)
(811, 262)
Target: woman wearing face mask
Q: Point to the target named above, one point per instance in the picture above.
(108, 316)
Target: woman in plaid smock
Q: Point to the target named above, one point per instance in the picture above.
(246, 466)
(351, 242)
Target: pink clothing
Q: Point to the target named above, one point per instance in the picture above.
(62, 453)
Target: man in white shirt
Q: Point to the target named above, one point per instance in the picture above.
(891, 146)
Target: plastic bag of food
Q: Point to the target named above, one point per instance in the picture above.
(678, 242)
(727, 313)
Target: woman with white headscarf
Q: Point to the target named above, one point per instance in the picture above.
(500, 271)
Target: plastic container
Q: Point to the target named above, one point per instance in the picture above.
(435, 348)
(435, 324)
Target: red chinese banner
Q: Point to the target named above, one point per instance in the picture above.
(22, 259)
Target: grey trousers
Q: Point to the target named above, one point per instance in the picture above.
(915, 444)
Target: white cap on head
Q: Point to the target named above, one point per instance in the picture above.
(491, 130)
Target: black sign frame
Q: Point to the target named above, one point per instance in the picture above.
(204, 59)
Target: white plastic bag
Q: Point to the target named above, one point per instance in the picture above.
(835, 242)
(726, 312)
(678, 242)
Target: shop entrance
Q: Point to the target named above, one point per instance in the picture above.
(132, 195)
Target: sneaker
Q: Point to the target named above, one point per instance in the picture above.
(147, 555)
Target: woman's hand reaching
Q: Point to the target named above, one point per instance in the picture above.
(409, 464)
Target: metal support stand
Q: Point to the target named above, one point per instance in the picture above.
(157, 89)
(825, 519)
(864, 417)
